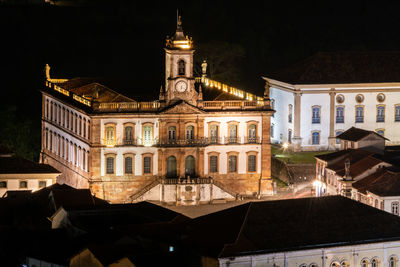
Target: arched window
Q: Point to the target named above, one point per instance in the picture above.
(364, 263)
(359, 114)
(340, 115)
(189, 166)
(213, 164)
(335, 264)
(252, 133)
(23, 184)
(171, 133)
(392, 261)
(128, 135)
(190, 132)
(315, 138)
(374, 263)
(395, 208)
(181, 67)
(128, 165)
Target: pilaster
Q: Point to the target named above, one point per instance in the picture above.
(332, 138)
(297, 120)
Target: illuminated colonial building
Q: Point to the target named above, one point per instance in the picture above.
(185, 147)
(320, 98)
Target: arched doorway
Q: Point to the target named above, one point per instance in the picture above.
(189, 166)
(171, 167)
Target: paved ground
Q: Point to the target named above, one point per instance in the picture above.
(301, 190)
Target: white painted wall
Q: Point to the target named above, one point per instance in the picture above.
(322, 257)
(280, 119)
(13, 184)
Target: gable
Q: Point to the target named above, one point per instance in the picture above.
(182, 108)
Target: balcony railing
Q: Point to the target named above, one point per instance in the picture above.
(316, 120)
(252, 140)
(187, 181)
(359, 118)
(339, 119)
(236, 104)
(380, 118)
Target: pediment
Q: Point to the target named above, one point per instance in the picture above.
(182, 108)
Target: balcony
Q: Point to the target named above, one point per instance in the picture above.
(252, 140)
(232, 140)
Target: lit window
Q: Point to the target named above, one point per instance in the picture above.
(190, 133)
(42, 184)
(213, 164)
(110, 135)
(252, 133)
(380, 114)
(337, 134)
(397, 113)
(359, 114)
(128, 165)
(251, 164)
(395, 208)
(339, 115)
(171, 133)
(3, 184)
(232, 133)
(23, 184)
(128, 135)
(315, 138)
(316, 115)
(232, 163)
(214, 133)
(147, 165)
(181, 67)
(110, 165)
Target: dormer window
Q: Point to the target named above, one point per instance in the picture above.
(181, 67)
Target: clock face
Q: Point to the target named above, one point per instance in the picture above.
(181, 86)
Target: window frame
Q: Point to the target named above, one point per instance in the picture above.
(42, 181)
(380, 130)
(213, 154)
(110, 142)
(316, 120)
(312, 137)
(5, 182)
(232, 140)
(229, 154)
(106, 157)
(363, 114)
(290, 113)
(248, 154)
(397, 116)
(22, 181)
(336, 114)
(380, 118)
(210, 125)
(179, 66)
(132, 156)
(394, 207)
(144, 141)
(252, 140)
(131, 141)
(147, 155)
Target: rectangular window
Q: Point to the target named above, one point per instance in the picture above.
(42, 184)
(251, 165)
(397, 113)
(232, 163)
(316, 115)
(380, 114)
(315, 138)
(3, 184)
(289, 136)
(110, 165)
(339, 115)
(128, 165)
(395, 208)
(23, 184)
(359, 114)
(290, 113)
(147, 165)
(213, 164)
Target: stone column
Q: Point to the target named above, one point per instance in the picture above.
(265, 183)
(201, 162)
(332, 137)
(297, 120)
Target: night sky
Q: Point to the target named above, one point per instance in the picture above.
(124, 40)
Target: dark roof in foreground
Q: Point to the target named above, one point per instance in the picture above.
(287, 225)
(343, 67)
(356, 134)
(9, 165)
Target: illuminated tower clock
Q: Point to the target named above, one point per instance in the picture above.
(179, 80)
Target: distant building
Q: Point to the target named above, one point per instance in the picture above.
(362, 170)
(201, 140)
(19, 174)
(321, 97)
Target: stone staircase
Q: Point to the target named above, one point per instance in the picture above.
(145, 189)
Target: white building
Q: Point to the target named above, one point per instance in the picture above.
(18, 174)
(330, 92)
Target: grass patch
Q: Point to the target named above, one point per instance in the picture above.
(296, 157)
(279, 182)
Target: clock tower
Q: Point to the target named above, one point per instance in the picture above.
(179, 80)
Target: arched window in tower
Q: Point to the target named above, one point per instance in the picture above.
(181, 67)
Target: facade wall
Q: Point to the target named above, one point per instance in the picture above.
(32, 183)
(313, 96)
(325, 257)
(282, 100)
